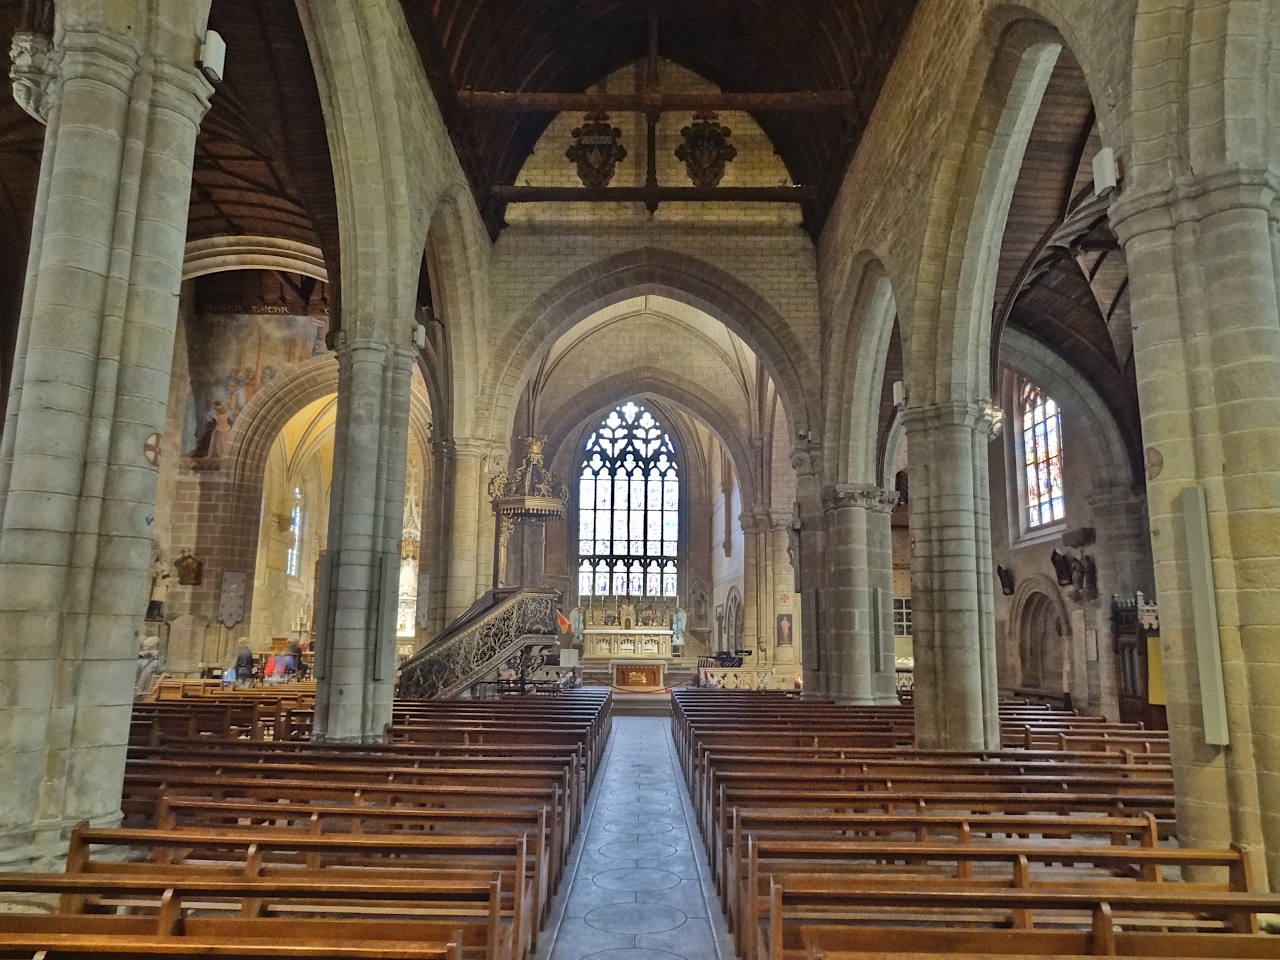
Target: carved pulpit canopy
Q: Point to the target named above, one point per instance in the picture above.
(532, 490)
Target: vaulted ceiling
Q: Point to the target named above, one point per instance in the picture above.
(742, 46)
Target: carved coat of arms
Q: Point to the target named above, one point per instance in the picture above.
(706, 149)
(596, 150)
(190, 570)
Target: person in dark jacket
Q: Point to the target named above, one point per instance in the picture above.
(293, 659)
(244, 663)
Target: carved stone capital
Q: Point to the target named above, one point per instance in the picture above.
(184, 90)
(32, 72)
(1186, 199)
(981, 416)
(476, 447)
(756, 520)
(806, 458)
(842, 496)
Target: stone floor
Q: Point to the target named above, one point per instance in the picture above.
(638, 886)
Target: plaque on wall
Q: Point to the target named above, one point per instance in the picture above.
(421, 615)
(231, 597)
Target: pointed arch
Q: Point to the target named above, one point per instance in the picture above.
(650, 270)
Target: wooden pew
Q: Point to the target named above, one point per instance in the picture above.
(858, 867)
(1029, 923)
(194, 916)
(288, 855)
(759, 824)
(176, 813)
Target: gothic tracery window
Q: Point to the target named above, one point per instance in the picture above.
(628, 507)
(1041, 424)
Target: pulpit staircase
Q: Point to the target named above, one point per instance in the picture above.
(493, 631)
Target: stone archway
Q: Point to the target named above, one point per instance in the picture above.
(650, 270)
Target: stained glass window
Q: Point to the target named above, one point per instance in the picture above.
(628, 507)
(293, 558)
(1041, 457)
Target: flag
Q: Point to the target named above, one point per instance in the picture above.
(562, 622)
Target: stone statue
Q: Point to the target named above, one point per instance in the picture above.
(577, 623)
(161, 580)
(678, 621)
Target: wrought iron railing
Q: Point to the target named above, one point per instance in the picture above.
(459, 658)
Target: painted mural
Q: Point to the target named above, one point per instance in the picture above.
(232, 356)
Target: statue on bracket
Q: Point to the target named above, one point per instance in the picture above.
(161, 580)
(679, 619)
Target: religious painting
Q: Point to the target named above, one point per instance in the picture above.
(233, 355)
(785, 625)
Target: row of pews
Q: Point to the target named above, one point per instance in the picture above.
(830, 835)
(445, 842)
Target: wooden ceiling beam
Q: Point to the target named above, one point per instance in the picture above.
(651, 101)
(651, 195)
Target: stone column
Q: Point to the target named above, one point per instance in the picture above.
(879, 509)
(468, 556)
(808, 535)
(757, 584)
(356, 622)
(784, 581)
(90, 384)
(1124, 566)
(859, 565)
(951, 578)
(438, 535)
(1202, 256)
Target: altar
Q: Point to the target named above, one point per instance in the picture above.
(618, 643)
(638, 675)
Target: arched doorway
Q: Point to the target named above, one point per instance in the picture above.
(1042, 644)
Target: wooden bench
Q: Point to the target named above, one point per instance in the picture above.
(191, 916)
(858, 867)
(1030, 923)
(729, 865)
(534, 822)
(288, 855)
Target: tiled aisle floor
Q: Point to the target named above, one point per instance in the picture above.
(638, 886)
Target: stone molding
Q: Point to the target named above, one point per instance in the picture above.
(1117, 497)
(476, 447)
(981, 416)
(841, 496)
(217, 254)
(184, 90)
(96, 55)
(1190, 199)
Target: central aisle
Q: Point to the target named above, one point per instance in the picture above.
(638, 885)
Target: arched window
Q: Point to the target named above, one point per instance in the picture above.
(628, 508)
(293, 559)
(1044, 504)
